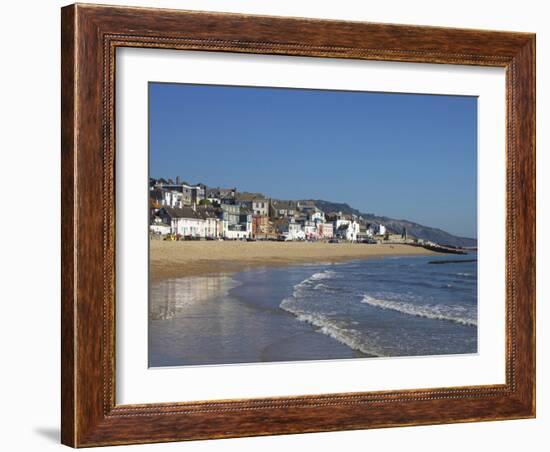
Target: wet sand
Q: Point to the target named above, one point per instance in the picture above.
(180, 259)
(222, 319)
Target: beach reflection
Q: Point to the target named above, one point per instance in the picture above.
(227, 320)
(170, 298)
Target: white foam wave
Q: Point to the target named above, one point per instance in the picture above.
(313, 281)
(457, 314)
(326, 274)
(321, 286)
(347, 336)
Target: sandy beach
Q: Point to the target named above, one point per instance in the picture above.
(179, 259)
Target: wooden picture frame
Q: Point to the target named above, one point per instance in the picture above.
(90, 36)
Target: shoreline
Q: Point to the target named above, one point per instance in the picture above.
(241, 327)
(169, 260)
(311, 312)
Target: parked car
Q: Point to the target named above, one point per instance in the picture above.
(369, 241)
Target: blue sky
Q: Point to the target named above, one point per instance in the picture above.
(399, 155)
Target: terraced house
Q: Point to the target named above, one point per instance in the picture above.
(237, 221)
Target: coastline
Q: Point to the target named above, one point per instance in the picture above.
(314, 312)
(219, 319)
(188, 258)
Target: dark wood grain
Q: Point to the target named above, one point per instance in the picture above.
(90, 36)
(68, 298)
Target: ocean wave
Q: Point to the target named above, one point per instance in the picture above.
(325, 274)
(455, 314)
(314, 281)
(321, 286)
(347, 336)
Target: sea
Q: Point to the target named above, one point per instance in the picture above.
(386, 307)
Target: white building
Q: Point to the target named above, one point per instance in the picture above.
(379, 229)
(169, 198)
(173, 199)
(295, 231)
(188, 227)
(346, 229)
(184, 222)
(213, 224)
(310, 230)
(260, 206)
(236, 234)
(317, 216)
(212, 228)
(290, 229)
(188, 194)
(160, 228)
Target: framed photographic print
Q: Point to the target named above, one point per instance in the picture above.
(281, 225)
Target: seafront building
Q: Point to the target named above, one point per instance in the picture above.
(237, 222)
(262, 227)
(289, 229)
(260, 207)
(184, 221)
(326, 230)
(194, 211)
